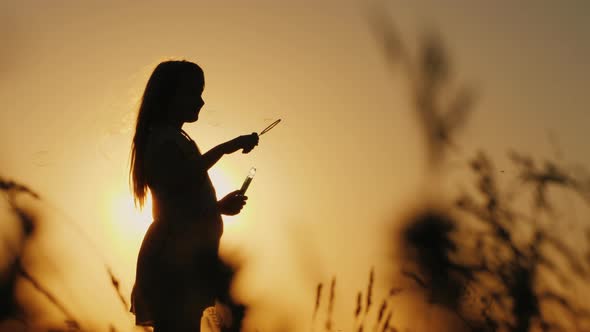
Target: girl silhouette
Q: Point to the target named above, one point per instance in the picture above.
(179, 273)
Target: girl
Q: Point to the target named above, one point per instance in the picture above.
(179, 273)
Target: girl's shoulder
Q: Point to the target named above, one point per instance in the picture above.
(164, 136)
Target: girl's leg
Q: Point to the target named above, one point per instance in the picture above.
(185, 317)
(178, 325)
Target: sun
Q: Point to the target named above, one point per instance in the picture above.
(131, 218)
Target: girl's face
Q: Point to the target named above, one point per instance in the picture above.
(188, 101)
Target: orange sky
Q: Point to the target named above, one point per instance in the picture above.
(348, 154)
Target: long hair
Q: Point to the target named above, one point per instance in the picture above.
(162, 85)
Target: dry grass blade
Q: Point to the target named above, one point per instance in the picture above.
(318, 297)
(386, 35)
(52, 298)
(380, 314)
(359, 305)
(8, 185)
(329, 318)
(116, 286)
(370, 290)
(386, 325)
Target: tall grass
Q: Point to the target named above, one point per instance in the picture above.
(367, 316)
(482, 257)
(27, 223)
(483, 244)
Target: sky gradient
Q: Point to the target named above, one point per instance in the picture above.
(347, 159)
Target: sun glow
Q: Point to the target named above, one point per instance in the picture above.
(224, 183)
(133, 220)
(223, 186)
(128, 223)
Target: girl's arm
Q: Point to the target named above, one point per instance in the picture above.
(212, 156)
(245, 142)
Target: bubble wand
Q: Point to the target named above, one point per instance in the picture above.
(267, 129)
(252, 172)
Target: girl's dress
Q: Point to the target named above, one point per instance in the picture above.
(178, 270)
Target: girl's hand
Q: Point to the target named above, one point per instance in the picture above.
(232, 203)
(244, 142)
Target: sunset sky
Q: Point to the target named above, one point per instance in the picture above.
(346, 161)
